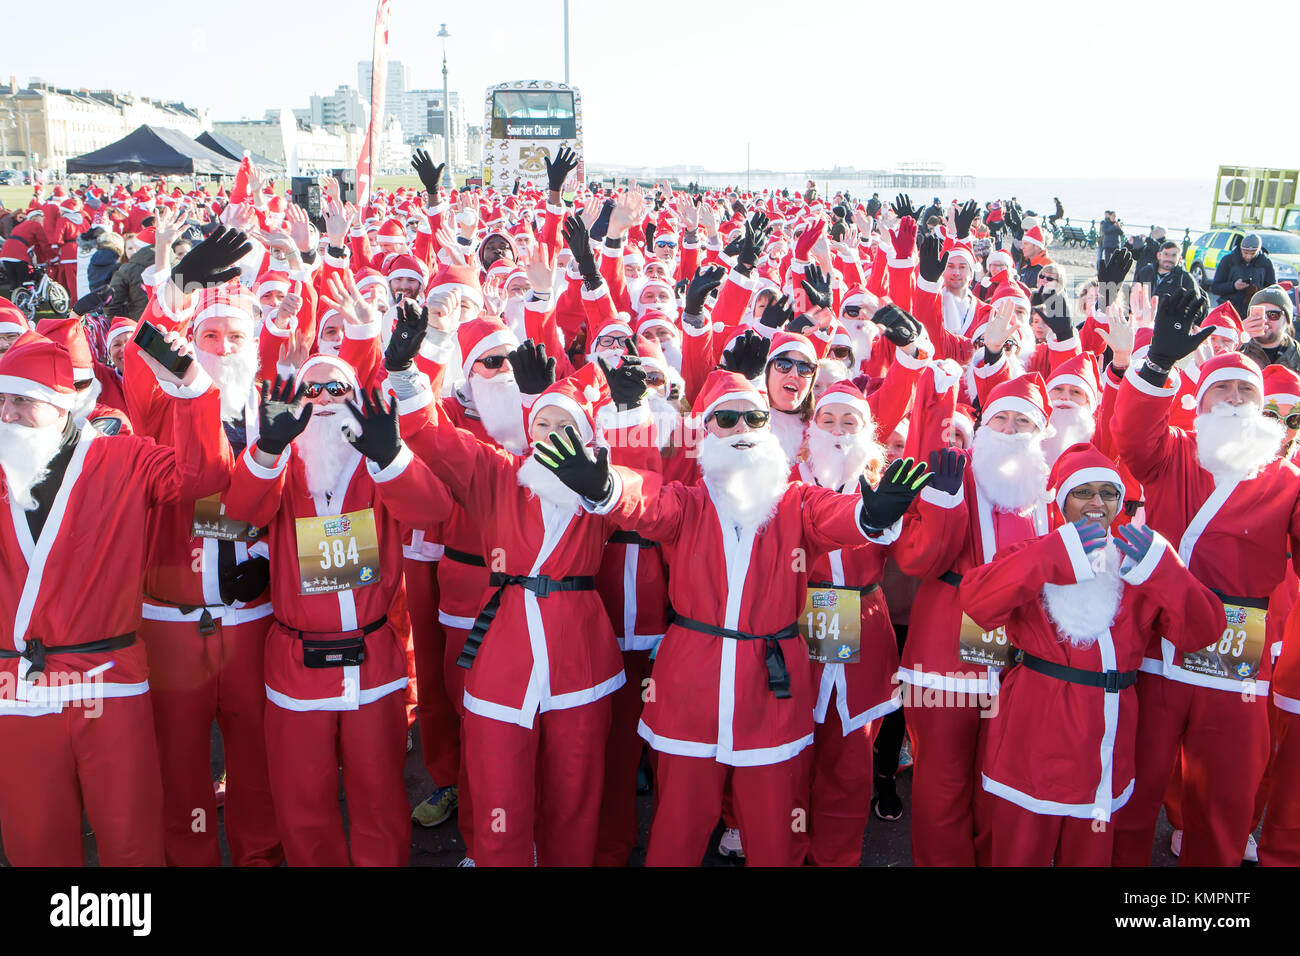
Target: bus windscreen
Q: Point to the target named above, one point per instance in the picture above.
(533, 114)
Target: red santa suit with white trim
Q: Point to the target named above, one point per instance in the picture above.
(81, 737)
(1234, 509)
(1060, 755)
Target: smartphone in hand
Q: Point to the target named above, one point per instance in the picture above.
(150, 339)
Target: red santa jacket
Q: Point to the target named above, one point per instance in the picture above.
(1062, 748)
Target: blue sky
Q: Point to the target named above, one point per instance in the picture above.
(1006, 89)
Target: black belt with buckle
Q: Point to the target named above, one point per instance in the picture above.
(36, 651)
(778, 677)
(541, 585)
(631, 537)
(869, 589)
(1112, 682)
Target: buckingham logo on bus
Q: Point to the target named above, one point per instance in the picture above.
(534, 129)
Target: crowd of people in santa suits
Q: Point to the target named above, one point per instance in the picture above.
(569, 476)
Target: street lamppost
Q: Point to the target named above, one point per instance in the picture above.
(446, 106)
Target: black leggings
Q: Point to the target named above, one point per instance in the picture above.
(16, 273)
(889, 739)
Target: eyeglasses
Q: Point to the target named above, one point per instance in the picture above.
(852, 311)
(784, 365)
(654, 380)
(611, 342)
(1083, 494)
(493, 362)
(337, 389)
(730, 417)
(1292, 420)
(841, 352)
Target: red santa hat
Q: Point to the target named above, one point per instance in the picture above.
(36, 368)
(229, 301)
(1011, 289)
(332, 361)
(963, 419)
(1035, 234)
(581, 395)
(786, 343)
(999, 262)
(367, 277)
(71, 337)
(1025, 395)
(1079, 465)
(121, 326)
(1226, 322)
(961, 250)
(12, 319)
(616, 326)
(653, 284)
(854, 295)
(463, 279)
(723, 386)
(391, 233)
(145, 236)
(652, 356)
(479, 336)
(406, 266)
(271, 281)
(654, 319)
(1080, 371)
(1228, 367)
(845, 394)
(1281, 385)
(632, 256)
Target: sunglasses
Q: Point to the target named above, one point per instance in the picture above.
(493, 362)
(841, 352)
(1083, 494)
(1292, 420)
(784, 365)
(730, 418)
(665, 244)
(337, 389)
(1274, 315)
(852, 311)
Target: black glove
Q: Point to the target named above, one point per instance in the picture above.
(930, 257)
(626, 382)
(777, 314)
(408, 333)
(566, 161)
(430, 175)
(534, 372)
(732, 249)
(816, 286)
(93, 302)
(759, 222)
(600, 227)
(649, 231)
(747, 355)
(1111, 273)
(947, 466)
(212, 261)
(902, 206)
(1011, 215)
(752, 246)
(965, 216)
(380, 439)
(1172, 338)
(245, 581)
(578, 240)
(900, 328)
(279, 422)
(704, 281)
(800, 323)
(1055, 313)
(574, 464)
(884, 505)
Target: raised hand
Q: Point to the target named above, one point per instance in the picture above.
(817, 286)
(947, 465)
(777, 314)
(903, 208)
(964, 217)
(534, 372)
(539, 266)
(930, 257)
(1111, 273)
(336, 223)
(804, 244)
(903, 239)
(430, 175)
(1091, 535)
(629, 209)
(380, 439)
(627, 382)
(282, 416)
(1119, 335)
(300, 227)
(1134, 542)
(579, 470)
(1002, 320)
(1011, 215)
(900, 328)
(884, 505)
(557, 170)
(747, 354)
(578, 239)
(295, 350)
(408, 334)
(751, 247)
(1055, 313)
(212, 261)
(702, 283)
(1172, 339)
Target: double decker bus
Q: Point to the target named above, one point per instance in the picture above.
(527, 122)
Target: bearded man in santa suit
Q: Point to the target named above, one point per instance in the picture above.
(1074, 391)
(1234, 509)
(206, 611)
(335, 663)
(733, 694)
(949, 664)
(1081, 609)
(76, 723)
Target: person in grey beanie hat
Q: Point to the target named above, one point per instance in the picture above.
(1268, 323)
(1243, 271)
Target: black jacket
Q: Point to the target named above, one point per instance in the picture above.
(1176, 278)
(1258, 272)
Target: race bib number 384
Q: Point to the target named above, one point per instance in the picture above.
(338, 552)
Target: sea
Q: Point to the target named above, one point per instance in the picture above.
(1176, 204)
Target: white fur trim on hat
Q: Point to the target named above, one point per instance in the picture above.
(223, 310)
(404, 274)
(30, 388)
(486, 344)
(1229, 374)
(1082, 477)
(1282, 398)
(754, 396)
(1014, 403)
(566, 404)
(1074, 380)
(839, 398)
(335, 363)
(803, 349)
(272, 285)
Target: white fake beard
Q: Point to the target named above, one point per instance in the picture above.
(1082, 612)
(862, 334)
(327, 347)
(324, 449)
(1014, 365)
(1071, 424)
(87, 399)
(611, 356)
(1233, 442)
(745, 484)
(789, 428)
(672, 350)
(1011, 470)
(837, 460)
(500, 409)
(234, 377)
(667, 418)
(25, 455)
(513, 314)
(544, 483)
(669, 309)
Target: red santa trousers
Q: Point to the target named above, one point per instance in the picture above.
(194, 680)
(1024, 838)
(100, 755)
(688, 800)
(1224, 741)
(1266, 785)
(454, 679)
(305, 749)
(1279, 843)
(539, 786)
(951, 812)
(839, 791)
(439, 721)
(617, 835)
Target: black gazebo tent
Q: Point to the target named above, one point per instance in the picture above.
(219, 143)
(155, 151)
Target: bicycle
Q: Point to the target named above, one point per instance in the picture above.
(40, 290)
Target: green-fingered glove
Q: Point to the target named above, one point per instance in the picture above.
(579, 470)
(884, 505)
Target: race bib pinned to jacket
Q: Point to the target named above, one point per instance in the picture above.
(337, 552)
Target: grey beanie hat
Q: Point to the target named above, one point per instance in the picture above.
(1273, 295)
(1251, 240)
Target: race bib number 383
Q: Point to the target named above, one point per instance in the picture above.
(1237, 652)
(338, 552)
(831, 625)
